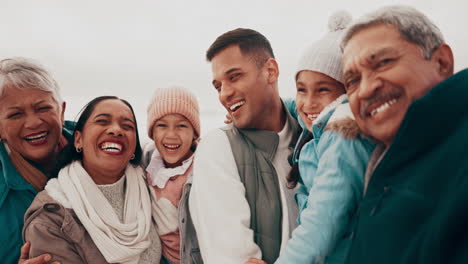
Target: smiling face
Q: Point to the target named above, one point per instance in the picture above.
(173, 136)
(31, 123)
(384, 74)
(108, 141)
(246, 91)
(314, 92)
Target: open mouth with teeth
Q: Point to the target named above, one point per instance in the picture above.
(312, 116)
(171, 147)
(37, 138)
(236, 106)
(111, 147)
(381, 107)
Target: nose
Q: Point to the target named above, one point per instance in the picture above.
(312, 102)
(115, 130)
(225, 93)
(171, 132)
(368, 86)
(32, 121)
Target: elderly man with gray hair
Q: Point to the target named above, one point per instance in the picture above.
(398, 73)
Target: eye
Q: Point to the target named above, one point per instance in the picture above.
(182, 125)
(351, 83)
(14, 115)
(217, 86)
(301, 89)
(384, 62)
(128, 126)
(234, 77)
(44, 109)
(161, 125)
(101, 121)
(323, 89)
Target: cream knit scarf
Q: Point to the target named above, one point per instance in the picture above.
(118, 242)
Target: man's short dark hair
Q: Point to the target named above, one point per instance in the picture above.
(249, 41)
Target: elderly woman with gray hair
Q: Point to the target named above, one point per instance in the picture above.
(32, 132)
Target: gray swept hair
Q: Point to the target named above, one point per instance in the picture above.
(413, 26)
(22, 73)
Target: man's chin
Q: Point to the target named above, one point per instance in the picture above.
(241, 125)
(384, 136)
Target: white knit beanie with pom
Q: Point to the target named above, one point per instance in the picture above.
(324, 55)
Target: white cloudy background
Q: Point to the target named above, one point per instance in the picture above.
(129, 48)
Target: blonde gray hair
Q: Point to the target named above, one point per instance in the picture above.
(413, 26)
(22, 73)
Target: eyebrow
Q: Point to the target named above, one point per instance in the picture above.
(38, 103)
(324, 82)
(231, 70)
(371, 58)
(380, 53)
(109, 115)
(14, 107)
(316, 83)
(34, 105)
(103, 114)
(226, 73)
(129, 120)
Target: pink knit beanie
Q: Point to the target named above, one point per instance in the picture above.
(174, 100)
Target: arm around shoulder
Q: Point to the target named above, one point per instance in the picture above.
(45, 231)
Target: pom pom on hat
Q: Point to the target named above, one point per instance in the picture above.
(174, 100)
(339, 20)
(324, 55)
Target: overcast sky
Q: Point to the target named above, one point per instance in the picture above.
(129, 48)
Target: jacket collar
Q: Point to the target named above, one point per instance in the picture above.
(9, 176)
(319, 124)
(435, 115)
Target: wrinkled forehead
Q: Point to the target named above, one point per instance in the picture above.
(24, 96)
(371, 43)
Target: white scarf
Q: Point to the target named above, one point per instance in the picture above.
(159, 174)
(118, 242)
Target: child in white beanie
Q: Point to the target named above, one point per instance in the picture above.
(330, 158)
(174, 126)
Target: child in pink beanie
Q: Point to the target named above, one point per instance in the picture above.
(174, 126)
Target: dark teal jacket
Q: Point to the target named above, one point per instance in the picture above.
(16, 195)
(415, 209)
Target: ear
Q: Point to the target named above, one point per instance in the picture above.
(78, 139)
(273, 70)
(64, 105)
(443, 56)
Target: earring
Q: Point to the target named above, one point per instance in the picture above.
(79, 150)
(133, 157)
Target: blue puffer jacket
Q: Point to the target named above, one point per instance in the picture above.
(16, 195)
(331, 167)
